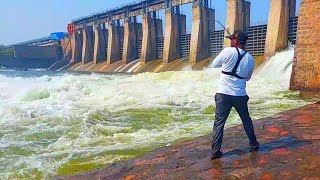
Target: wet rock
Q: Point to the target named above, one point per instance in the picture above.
(289, 150)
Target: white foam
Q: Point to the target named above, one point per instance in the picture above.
(279, 68)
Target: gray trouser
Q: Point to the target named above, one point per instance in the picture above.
(224, 103)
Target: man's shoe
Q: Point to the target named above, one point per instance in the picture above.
(216, 155)
(255, 147)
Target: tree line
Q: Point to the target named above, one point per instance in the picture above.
(6, 51)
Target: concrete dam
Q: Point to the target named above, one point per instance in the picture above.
(114, 40)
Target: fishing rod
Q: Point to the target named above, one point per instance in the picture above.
(223, 27)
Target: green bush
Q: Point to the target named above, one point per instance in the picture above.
(6, 51)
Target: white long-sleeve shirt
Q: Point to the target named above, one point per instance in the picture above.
(227, 60)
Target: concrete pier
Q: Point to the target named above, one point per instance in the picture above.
(238, 17)
(100, 41)
(199, 34)
(241, 15)
(66, 45)
(114, 49)
(158, 26)
(173, 30)
(211, 19)
(306, 65)
(277, 33)
(183, 24)
(76, 43)
(247, 12)
(130, 51)
(87, 45)
(232, 22)
(292, 8)
(149, 39)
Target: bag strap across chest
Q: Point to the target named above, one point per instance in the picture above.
(234, 70)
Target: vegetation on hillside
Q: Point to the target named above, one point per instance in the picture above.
(6, 51)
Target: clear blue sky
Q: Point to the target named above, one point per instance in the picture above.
(23, 20)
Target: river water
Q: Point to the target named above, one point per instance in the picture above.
(61, 123)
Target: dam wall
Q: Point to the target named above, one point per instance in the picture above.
(36, 52)
(115, 38)
(26, 63)
(141, 47)
(306, 65)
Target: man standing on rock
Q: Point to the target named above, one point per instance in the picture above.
(237, 68)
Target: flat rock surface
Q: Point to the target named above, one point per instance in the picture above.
(290, 149)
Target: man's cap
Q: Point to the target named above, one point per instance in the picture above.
(240, 35)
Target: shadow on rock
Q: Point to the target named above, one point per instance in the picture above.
(289, 142)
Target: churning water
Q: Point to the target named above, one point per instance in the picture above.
(59, 124)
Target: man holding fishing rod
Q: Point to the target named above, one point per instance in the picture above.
(237, 68)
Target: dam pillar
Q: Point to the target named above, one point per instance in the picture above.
(173, 31)
(232, 22)
(277, 33)
(247, 14)
(158, 26)
(76, 44)
(130, 51)
(87, 45)
(292, 8)
(100, 51)
(149, 39)
(114, 48)
(211, 20)
(306, 65)
(106, 37)
(183, 24)
(200, 34)
(66, 45)
(238, 17)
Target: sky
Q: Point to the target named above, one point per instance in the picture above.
(22, 20)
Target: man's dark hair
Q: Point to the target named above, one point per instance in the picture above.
(243, 42)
